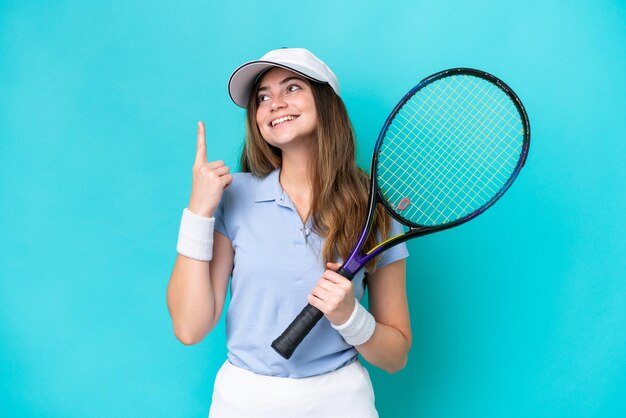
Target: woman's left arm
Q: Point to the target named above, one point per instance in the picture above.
(389, 346)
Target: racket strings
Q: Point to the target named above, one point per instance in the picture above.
(470, 128)
(411, 133)
(449, 150)
(471, 163)
(476, 163)
(462, 170)
(406, 166)
(439, 174)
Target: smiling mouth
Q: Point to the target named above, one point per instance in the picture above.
(284, 119)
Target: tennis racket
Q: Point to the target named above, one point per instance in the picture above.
(447, 152)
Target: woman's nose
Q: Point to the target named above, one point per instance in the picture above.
(277, 103)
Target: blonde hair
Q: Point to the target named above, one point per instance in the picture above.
(339, 186)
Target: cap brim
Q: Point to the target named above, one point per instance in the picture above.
(243, 78)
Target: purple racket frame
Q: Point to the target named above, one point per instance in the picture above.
(293, 335)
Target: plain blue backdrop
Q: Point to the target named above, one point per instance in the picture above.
(520, 313)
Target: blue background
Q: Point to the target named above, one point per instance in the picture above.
(520, 313)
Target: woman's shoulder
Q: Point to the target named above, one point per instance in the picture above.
(244, 184)
(245, 180)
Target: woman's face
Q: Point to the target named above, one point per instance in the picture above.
(286, 114)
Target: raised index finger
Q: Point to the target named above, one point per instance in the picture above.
(201, 145)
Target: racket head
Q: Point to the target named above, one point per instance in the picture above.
(449, 149)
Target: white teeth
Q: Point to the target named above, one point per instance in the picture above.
(283, 119)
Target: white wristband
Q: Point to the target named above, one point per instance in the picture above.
(195, 236)
(359, 327)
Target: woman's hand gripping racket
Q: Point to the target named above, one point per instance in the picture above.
(447, 152)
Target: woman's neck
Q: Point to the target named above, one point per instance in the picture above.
(295, 179)
(295, 175)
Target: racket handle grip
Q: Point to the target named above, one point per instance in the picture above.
(300, 327)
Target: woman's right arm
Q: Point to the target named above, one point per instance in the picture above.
(197, 289)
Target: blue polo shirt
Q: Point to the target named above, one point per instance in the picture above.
(277, 264)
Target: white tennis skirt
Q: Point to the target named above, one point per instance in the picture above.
(240, 393)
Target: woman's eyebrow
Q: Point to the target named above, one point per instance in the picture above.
(286, 80)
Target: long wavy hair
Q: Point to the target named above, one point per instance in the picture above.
(339, 186)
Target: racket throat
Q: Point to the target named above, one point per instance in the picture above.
(351, 266)
(346, 273)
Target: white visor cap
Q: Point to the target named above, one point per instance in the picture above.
(299, 60)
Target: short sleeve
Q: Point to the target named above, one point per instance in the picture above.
(220, 223)
(395, 253)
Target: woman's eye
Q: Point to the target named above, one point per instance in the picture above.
(262, 98)
(293, 87)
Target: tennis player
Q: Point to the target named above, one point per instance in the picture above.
(276, 232)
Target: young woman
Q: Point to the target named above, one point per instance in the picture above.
(280, 229)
